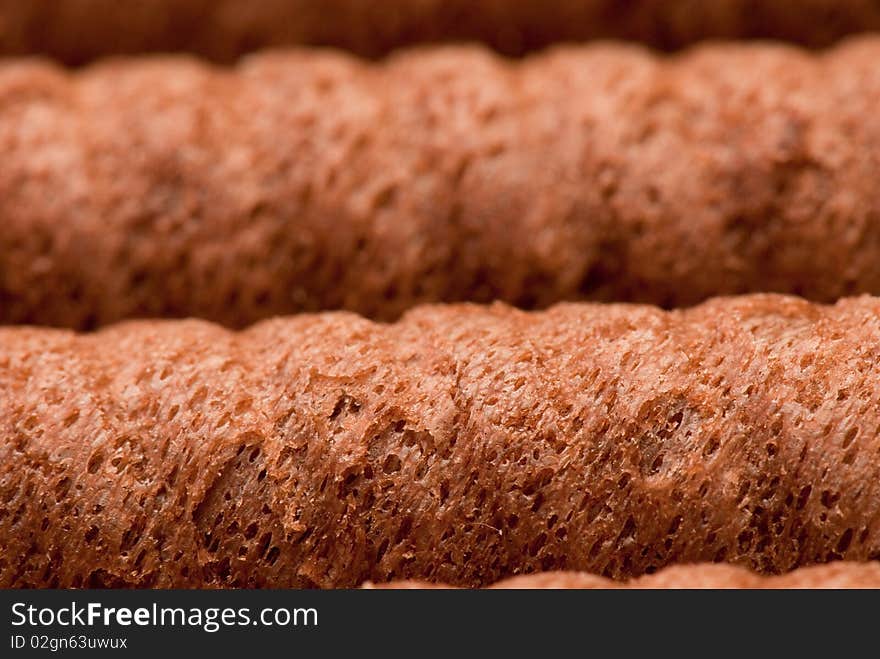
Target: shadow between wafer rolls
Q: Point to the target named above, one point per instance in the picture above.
(76, 31)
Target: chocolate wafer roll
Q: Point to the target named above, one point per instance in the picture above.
(311, 181)
(80, 30)
(837, 575)
(461, 445)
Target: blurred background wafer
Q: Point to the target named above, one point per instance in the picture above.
(307, 181)
(77, 31)
(831, 576)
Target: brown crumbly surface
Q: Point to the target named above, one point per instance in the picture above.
(308, 181)
(80, 30)
(461, 445)
(839, 574)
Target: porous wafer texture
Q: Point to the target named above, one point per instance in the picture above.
(835, 575)
(462, 445)
(79, 30)
(309, 181)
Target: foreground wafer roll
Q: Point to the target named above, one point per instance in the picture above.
(79, 30)
(460, 445)
(839, 574)
(311, 181)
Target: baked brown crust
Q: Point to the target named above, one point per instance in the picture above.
(461, 445)
(837, 575)
(80, 30)
(168, 188)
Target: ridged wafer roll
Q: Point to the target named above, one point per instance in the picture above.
(79, 30)
(311, 181)
(837, 575)
(461, 445)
